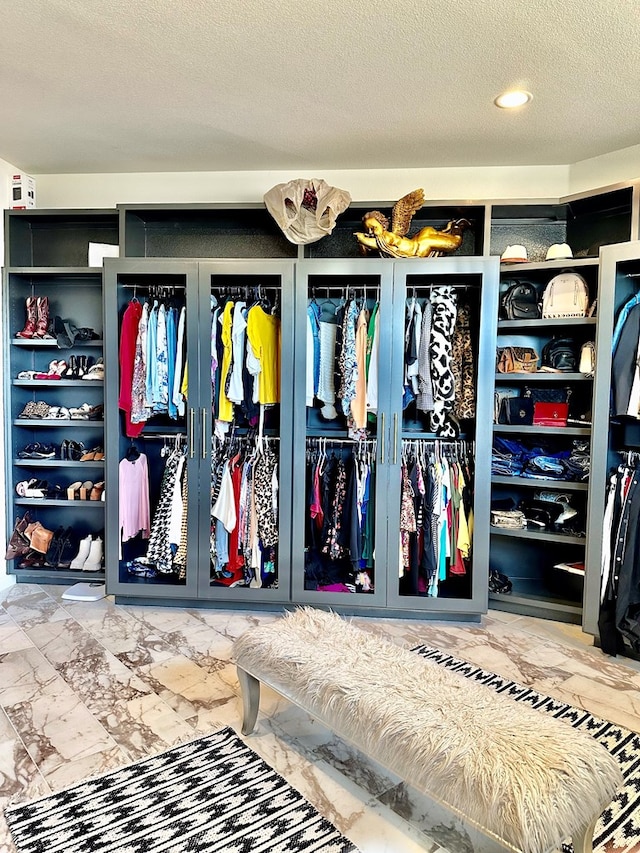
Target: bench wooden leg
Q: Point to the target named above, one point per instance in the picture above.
(250, 689)
(583, 843)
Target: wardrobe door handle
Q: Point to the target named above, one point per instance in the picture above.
(395, 438)
(204, 433)
(192, 419)
(382, 437)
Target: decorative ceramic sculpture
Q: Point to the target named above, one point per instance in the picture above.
(393, 243)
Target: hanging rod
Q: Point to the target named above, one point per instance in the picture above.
(633, 275)
(154, 436)
(148, 286)
(352, 442)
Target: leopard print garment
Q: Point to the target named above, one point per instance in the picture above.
(462, 366)
(443, 302)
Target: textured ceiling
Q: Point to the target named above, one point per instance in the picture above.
(189, 85)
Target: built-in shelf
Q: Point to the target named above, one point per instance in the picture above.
(56, 422)
(543, 266)
(80, 271)
(57, 383)
(540, 535)
(537, 483)
(40, 343)
(557, 378)
(57, 463)
(541, 430)
(59, 502)
(552, 322)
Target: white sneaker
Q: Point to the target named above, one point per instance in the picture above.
(83, 552)
(93, 562)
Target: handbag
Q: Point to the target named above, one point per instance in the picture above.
(516, 360)
(560, 355)
(512, 519)
(520, 302)
(587, 363)
(550, 414)
(516, 410)
(548, 395)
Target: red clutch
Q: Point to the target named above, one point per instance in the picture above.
(550, 414)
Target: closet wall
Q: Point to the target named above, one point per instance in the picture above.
(240, 236)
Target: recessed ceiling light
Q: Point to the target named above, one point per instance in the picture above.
(511, 100)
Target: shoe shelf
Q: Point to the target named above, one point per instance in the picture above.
(57, 383)
(58, 502)
(41, 343)
(539, 483)
(57, 463)
(519, 429)
(51, 573)
(554, 266)
(543, 536)
(57, 422)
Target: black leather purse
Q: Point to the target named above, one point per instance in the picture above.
(516, 410)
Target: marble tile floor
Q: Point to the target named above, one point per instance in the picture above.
(86, 687)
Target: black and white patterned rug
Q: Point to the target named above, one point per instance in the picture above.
(212, 794)
(618, 830)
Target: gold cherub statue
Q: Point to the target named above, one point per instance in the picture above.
(426, 243)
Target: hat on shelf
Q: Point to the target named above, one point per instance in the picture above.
(558, 252)
(514, 255)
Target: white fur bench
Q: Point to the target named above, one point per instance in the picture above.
(526, 780)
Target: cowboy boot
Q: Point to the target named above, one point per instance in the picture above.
(42, 326)
(32, 319)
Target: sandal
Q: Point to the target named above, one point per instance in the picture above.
(94, 455)
(26, 374)
(80, 413)
(96, 491)
(73, 491)
(75, 450)
(58, 413)
(96, 371)
(85, 490)
(35, 410)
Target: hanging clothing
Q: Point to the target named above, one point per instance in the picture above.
(263, 333)
(127, 354)
(435, 527)
(139, 411)
(134, 509)
(159, 550)
(225, 406)
(462, 365)
(359, 401)
(443, 303)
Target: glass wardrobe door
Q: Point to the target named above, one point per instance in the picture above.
(246, 350)
(342, 361)
(151, 434)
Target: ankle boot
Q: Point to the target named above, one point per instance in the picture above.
(83, 552)
(42, 325)
(82, 366)
(93, 563)
(32, 319)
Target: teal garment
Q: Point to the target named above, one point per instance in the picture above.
(152, 389)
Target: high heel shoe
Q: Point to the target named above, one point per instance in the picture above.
(96, 491)
(85, 490)
(72, 368)
(73, 491)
